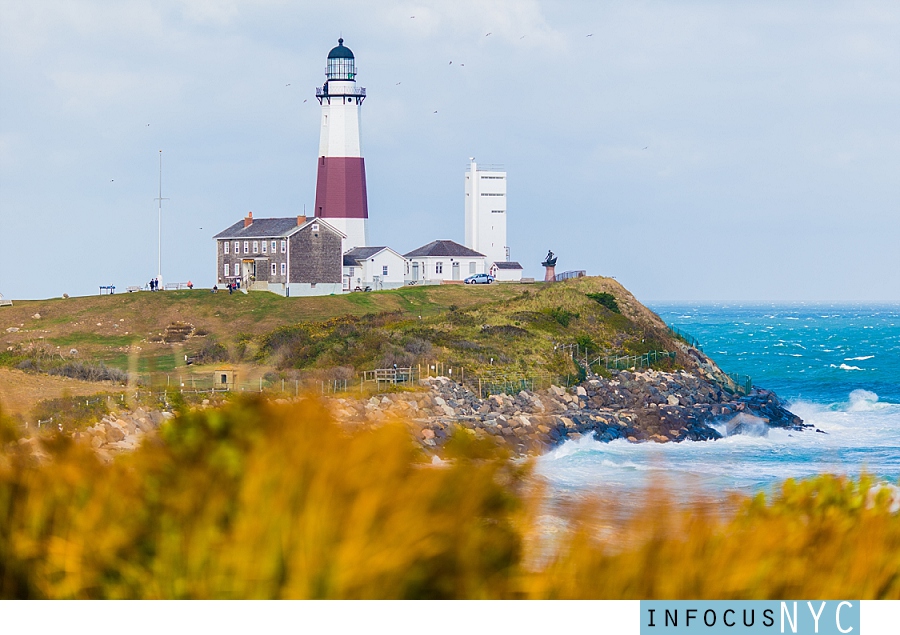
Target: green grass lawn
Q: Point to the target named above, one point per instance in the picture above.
(516, 325)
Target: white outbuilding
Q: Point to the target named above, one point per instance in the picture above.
(375, 268)
(506, 271)
(444, 260)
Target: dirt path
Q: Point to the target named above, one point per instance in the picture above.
(20, 391)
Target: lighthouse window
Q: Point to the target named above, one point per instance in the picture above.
(491, 194)
(497, 211)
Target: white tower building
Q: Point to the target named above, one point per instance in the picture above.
(341, 178)
(486, 211)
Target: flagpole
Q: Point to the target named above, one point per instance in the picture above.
(159, 223)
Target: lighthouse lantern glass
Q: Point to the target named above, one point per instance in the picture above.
(341, 68)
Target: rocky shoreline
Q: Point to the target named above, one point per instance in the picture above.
(646, 406)
(634, 406)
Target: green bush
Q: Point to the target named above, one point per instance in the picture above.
(561, 315)
(607, 300)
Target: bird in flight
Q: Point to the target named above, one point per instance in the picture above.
(148, 124)
(304, 101)
(287, 84)
(398, 83)
(411, 17)
(462, 64)
(645, 147)
(435, 112)
(111, 180)
(487, 34)
(451, 61)
(589, 35)
(522, 38)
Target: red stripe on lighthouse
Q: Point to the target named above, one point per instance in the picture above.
(341, 188)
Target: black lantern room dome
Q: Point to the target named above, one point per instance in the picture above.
(341, 64)
(340, 51)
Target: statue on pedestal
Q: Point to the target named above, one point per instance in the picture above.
(550, 267)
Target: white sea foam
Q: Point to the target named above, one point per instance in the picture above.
(861, 426)
(858, 359)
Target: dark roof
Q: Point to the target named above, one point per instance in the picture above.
(340, 51)
(511, 264)
(260, 228)
(350, 261)
(443, 248)
(363, 253)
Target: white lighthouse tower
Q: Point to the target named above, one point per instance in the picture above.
(486, 211)
(341, 178)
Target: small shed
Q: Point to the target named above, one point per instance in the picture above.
(506, 271)
(224, 378)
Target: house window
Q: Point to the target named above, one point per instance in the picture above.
(472, 267)
(265, 247)
(256, 246)
(273, 268)
(384, 270)
(283, 268)
(226, 244)
(439, 267)
(237, 247)
(237, 268)
(283, 246)
(226, 269)
(273, 246)
(350, 272)
(246, 247)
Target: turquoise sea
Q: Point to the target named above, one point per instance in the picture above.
(838, 367)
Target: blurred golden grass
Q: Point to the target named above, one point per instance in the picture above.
(258, 500)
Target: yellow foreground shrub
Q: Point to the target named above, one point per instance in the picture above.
(264, 501)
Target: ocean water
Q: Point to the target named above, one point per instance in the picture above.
(838, 367)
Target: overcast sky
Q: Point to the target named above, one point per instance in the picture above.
(697, 151)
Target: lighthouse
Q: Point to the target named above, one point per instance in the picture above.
(341, 176)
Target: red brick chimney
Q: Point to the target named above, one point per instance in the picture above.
(248, 220)
(300, 220)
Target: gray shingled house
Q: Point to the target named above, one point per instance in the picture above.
(290, 256)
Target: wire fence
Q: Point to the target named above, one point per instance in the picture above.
(742, 384)
(510, 383)
(566, 275)
(685, 337)
(625, 362)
